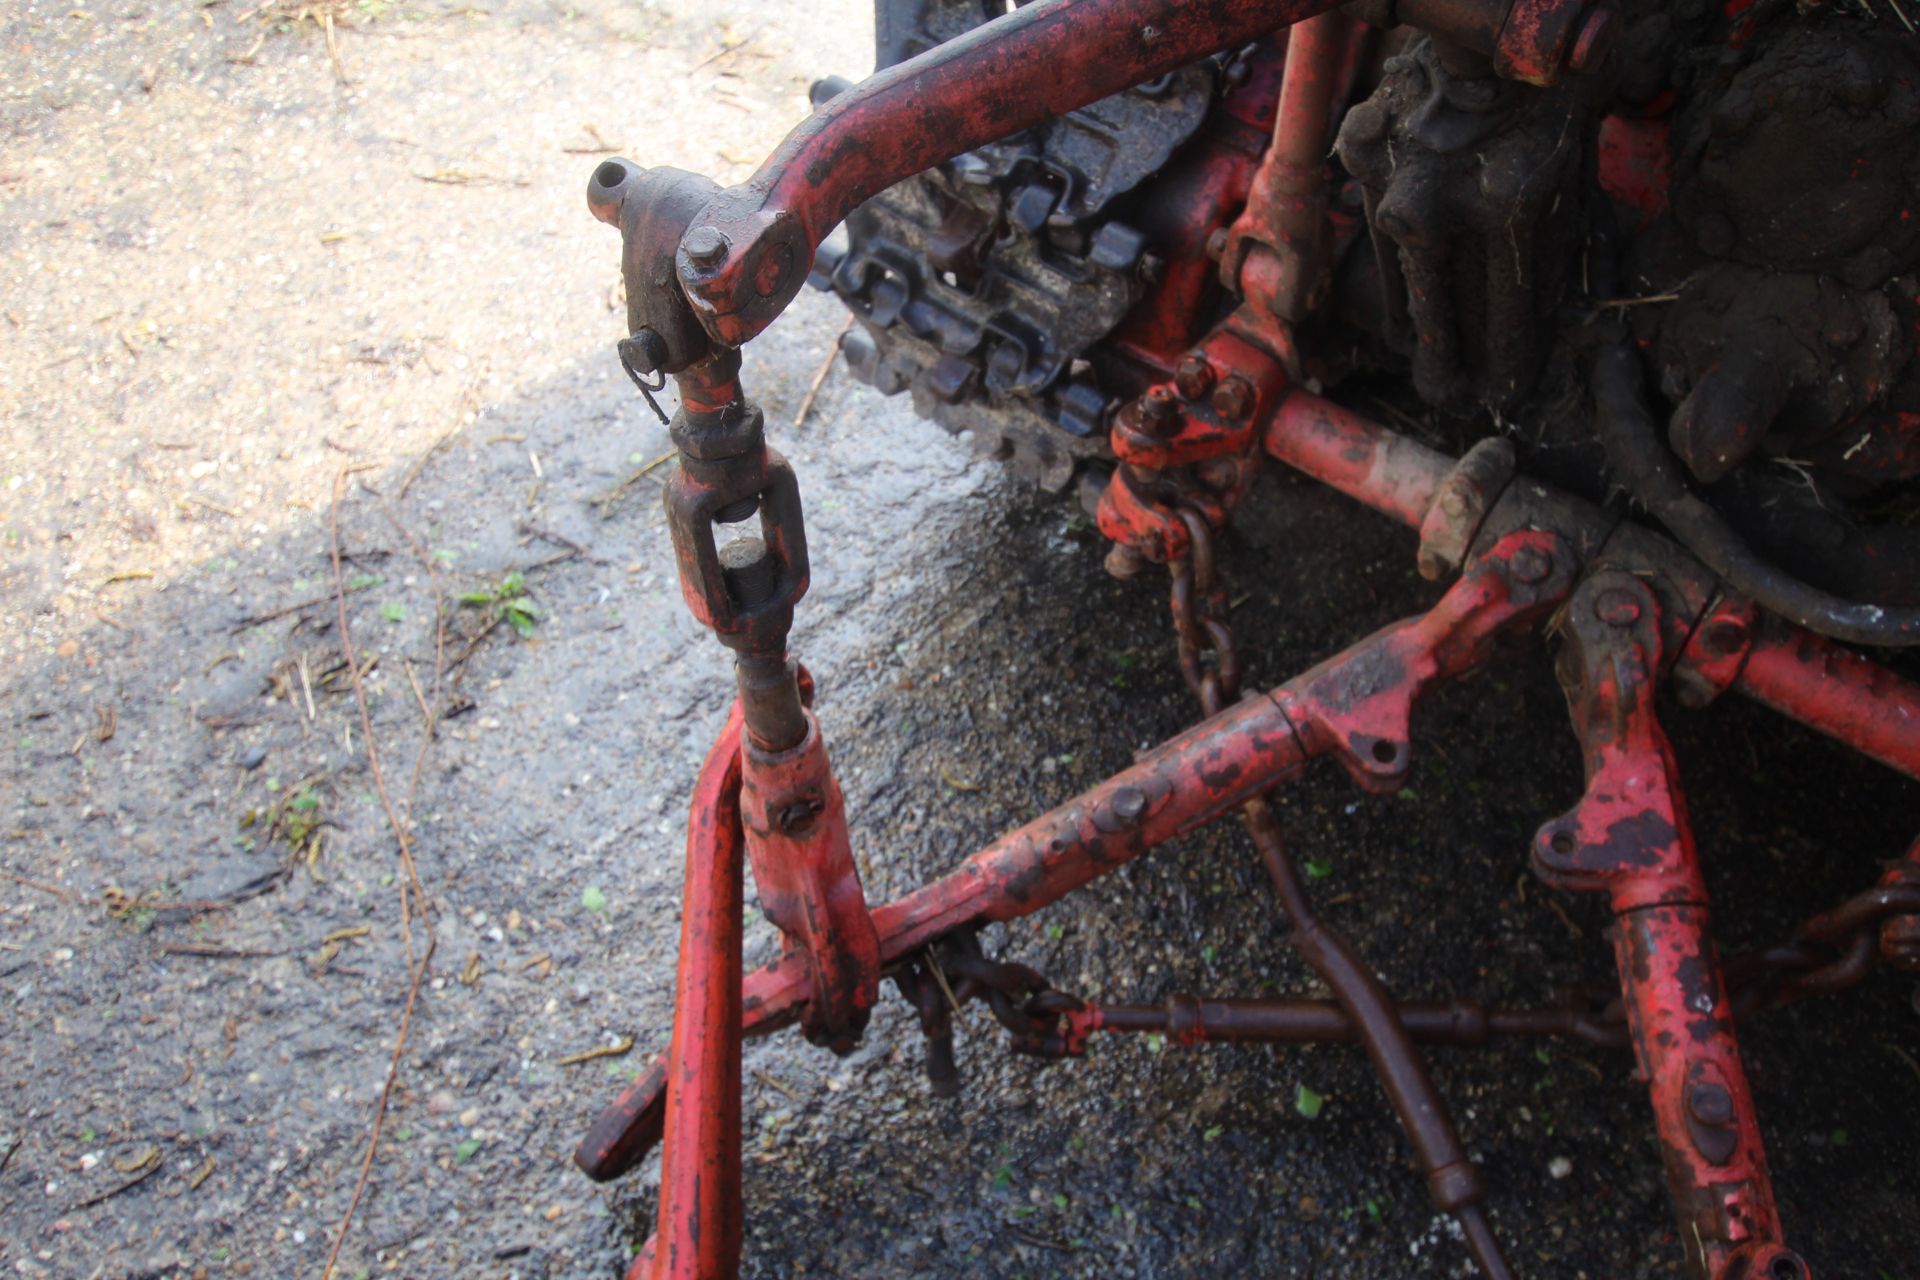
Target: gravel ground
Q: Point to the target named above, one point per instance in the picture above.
(235, 268)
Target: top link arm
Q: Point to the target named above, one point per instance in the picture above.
(739, 255)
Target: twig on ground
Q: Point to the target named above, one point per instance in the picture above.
(258, 618)
(820, 376)
(409, 885)
(620, 1050)
(153, 1166)
(413, 472)
(559, 539)
(611, 499)
(333, 48)
(43, 886)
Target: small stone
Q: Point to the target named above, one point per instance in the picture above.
(253, 757)
(1559, 1167)
(470, 1117)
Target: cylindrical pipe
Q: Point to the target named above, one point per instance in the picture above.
(1453, 1180)
(698, 1234)
(1836, 691)
(1192, 1020)
(1394, 475)
(1287, 209)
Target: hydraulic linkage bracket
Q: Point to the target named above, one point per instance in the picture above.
(1629, 837)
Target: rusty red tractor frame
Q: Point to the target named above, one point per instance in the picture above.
(709, 268)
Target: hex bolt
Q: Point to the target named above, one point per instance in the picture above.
(1194, 377)
(1160, 412)
(1233, 399)
(1129, 804)
(1531, 566)
(1617, 608)
(752, 574)
(1710, 1104)
(705, 246)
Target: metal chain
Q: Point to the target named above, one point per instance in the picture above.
(1200, 608)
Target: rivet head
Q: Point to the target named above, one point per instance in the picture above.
(1531, 566)
(1710, 1104)
(1129, 804)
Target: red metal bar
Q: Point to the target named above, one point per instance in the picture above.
(1274, 248)
(1038, 62)
(698, 1232)
(1841, 693)
(1394, 475)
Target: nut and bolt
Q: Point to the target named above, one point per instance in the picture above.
(705, 246)
(1129, 804)
(1531, 566)
(1233, 399)
(1160, 412)
(1617, 608)
(1194, 377)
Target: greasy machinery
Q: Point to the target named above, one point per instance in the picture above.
(1655, 259)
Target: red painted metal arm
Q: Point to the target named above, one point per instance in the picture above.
(698, 1234)
(1355, 707)
(1843, 694)
(1038, 62)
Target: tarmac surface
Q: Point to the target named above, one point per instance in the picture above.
(239, 275)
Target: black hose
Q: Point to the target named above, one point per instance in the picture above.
(1643, 464)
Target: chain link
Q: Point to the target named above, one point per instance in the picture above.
(1200, 607)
